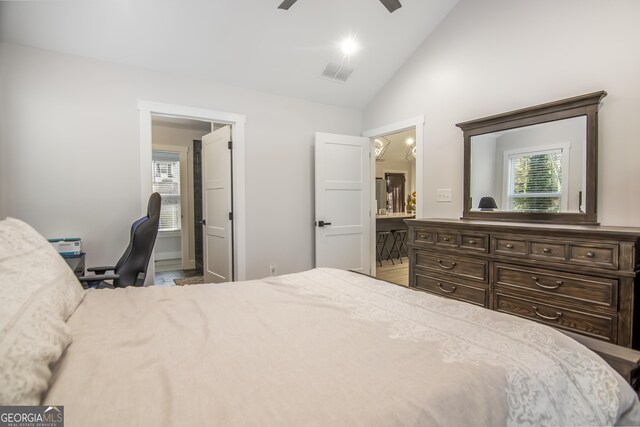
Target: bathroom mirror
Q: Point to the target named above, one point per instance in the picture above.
(534, 164)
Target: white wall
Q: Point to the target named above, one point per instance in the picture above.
(483, 170)
(65, 110)
(493, 56)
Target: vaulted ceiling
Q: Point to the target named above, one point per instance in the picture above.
(247, 43)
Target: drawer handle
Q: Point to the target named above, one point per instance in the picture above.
(546, 250)
(509, 246)
(446, 239)
(542, 316)
(590, 254)
(558, 283)
(423, 236)
(453, 288)
(446, 267)
(472, 242)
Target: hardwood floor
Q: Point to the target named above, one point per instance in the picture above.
(398, 273)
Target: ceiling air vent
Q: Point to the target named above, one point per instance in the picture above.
(336, 72)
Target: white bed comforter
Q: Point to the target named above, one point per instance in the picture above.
(324, 347)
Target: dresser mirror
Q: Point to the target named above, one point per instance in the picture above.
(536, 164)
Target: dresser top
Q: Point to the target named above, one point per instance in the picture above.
(599, 230)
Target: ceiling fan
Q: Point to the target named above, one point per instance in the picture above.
(391, 5)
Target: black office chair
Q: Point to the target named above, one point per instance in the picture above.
(136, 257)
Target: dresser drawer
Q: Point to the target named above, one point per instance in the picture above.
(474, 242)
(447, 238)
(507, 246)
(471, 294)
(456, 266)
(598, 326)
(601, 255)
(547, 250)
(424, 236)
(571, 287)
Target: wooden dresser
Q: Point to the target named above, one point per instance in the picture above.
(573, 277)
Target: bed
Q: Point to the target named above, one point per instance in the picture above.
(321, 347)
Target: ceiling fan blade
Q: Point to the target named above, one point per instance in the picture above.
(391, 5)
(286, 4)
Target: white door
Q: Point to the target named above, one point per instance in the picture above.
(343, 202)
(217, 225)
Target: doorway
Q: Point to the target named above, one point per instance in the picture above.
(395, 175)
(150, 112)
(398, 176)
(176, 175)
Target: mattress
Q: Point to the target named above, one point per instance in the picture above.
(322, 347)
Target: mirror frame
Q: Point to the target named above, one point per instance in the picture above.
(584, 105)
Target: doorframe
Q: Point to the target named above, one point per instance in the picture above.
(416, 122)
(146, 109)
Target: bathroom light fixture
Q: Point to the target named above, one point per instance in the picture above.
(411, 154)
(380, 147)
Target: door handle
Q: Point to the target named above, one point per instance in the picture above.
(322, 223)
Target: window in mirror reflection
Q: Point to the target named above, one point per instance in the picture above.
(535, 180)
(536, 168)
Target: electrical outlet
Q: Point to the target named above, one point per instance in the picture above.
(272, 268)
(443, 195)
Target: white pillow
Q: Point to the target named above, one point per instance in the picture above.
(38, 293)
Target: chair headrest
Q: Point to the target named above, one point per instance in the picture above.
(153, 208)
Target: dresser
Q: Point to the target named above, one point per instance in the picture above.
(578, 278)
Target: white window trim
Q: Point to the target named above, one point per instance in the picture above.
(564, 147)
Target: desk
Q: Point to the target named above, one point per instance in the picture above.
(76, 263)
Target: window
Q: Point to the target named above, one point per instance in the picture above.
(537, 180)
(166, 181)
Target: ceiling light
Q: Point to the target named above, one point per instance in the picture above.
(349, 46)
(409, 141)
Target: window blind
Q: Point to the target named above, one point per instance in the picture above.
(166, 181)
(535, 181)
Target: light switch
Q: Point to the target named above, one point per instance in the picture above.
(443, 195)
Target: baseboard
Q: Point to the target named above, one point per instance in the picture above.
(161, 256)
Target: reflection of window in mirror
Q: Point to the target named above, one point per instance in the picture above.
(536, 179)
(536, 168)
(395, 192)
